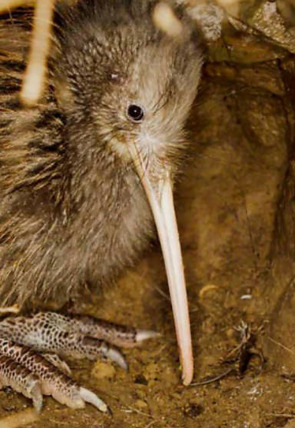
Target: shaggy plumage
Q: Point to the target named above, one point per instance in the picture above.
(73, 212)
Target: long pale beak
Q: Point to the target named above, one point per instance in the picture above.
(160, 197)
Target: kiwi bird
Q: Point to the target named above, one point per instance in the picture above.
(85, 175)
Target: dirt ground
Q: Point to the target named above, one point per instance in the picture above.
(235, 205)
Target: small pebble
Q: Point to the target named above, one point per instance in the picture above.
(140, 404)
(103, 370)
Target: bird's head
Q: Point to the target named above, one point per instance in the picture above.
(130, 86)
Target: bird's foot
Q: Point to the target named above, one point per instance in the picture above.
(31, 349)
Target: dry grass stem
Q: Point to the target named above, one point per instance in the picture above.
(128, 409)
(34, 78)
(281, 345)
(8, 5)
(150, 424)
(213, 379)
(281, 415)
(15, 309)
(165, 20)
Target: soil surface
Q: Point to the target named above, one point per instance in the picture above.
(235, 210)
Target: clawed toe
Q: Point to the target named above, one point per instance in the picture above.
(33, 375)
(30, 351)
(21, 380)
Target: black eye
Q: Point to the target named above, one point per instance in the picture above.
(135, 113)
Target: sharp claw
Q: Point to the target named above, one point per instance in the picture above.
(116, 356)
(143, 335)
(37, 396)
(90, 397)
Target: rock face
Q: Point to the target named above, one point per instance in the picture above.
(238, 228)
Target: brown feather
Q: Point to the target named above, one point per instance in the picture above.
(72, 209)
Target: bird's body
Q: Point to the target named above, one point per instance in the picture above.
(83, 173)
(73, 212)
